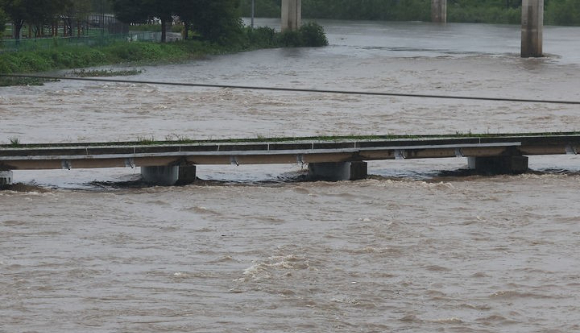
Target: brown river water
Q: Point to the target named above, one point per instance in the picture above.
(417, 247)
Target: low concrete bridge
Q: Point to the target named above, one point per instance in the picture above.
(532, 21)
(338, 158)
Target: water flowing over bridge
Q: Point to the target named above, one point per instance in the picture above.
(333, 158)
(532, 21)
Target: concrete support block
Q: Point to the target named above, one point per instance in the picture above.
(499, 164)
(160, 175)
(187, 174)
(338, 171)
(439, 11)
(6, 178)
(291, 14)
(532, 28)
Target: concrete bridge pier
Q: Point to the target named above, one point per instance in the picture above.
(499, 165)
(532, 28)
(291, 15)
(338, 171)
(187, 174)
(160, 175)
(169, 175)
(439, 11)
(6, 178)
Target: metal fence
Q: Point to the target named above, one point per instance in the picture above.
(97, 29)
(35, 44)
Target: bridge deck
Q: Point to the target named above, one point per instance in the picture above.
(276, 151)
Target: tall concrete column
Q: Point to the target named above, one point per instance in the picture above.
(532, 28)
(439, 11)
(291, 14)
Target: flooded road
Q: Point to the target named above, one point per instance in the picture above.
(248, 248)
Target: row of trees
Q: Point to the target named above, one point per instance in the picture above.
(558, 12)
(215, 20)
(40, 13)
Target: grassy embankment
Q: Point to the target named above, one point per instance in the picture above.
(74, 57)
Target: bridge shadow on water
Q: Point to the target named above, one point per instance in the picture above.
(435, 176)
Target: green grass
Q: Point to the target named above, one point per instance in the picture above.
(14, 142)
(78, 57)
(41, 55)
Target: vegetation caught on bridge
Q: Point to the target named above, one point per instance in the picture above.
(151, 141)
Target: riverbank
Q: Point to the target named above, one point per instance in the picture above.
(122, 52)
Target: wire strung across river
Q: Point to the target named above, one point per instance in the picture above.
(318, 91)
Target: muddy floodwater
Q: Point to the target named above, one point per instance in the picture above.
(416, 247)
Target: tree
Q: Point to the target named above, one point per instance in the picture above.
(16, 9)
(35, 13)
(164, 10)
(218, 20)
(130, 11)
(186, 10)
(76, 11)
(564, 12)
(139, 11)
(3, 21)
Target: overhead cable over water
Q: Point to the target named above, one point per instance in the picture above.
(300, 90)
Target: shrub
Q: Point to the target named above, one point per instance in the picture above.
(290, 38)
(261, 37)
(312, 34)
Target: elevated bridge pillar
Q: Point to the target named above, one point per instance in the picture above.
(532, 28)
(291, 14)
(338, 171)
(439, 11)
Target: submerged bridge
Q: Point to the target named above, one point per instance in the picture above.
(336, 158)
(532, 21)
